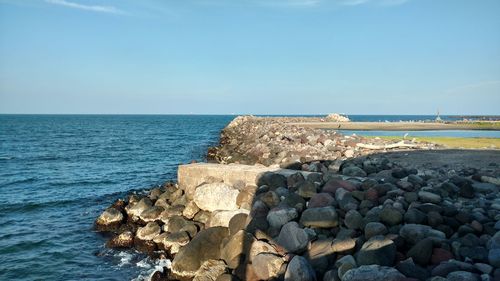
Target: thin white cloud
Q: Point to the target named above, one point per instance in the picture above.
(377, 2)
(92, 8)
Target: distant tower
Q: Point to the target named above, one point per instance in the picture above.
(438, 118)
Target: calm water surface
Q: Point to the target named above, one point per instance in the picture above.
(57, 173)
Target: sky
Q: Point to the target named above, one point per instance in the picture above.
(250, 56)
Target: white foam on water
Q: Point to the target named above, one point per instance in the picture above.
(150, 267)
(125, 258)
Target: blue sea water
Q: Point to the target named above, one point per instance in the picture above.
(59, 172)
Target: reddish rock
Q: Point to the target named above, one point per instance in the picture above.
(440, 255)
(332, 185)
(321, 200)
(371, 194)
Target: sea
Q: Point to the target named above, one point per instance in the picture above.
(59, 172)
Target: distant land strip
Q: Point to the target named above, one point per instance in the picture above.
(401, 126)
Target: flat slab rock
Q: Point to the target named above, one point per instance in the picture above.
(192, 175)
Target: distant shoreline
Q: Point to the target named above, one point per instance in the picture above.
(399, 126)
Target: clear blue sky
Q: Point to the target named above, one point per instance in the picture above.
(250, 56)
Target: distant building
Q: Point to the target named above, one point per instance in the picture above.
(438, 118)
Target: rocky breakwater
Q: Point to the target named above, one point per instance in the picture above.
(270, 141)
(370, 220)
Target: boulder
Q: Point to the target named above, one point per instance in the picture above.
(391, 216)
(279, 216)
(216, 196)
(267, 266)
(462, 276)
(210, 270)
(204, 246)
(293, 238)
(136, 209)
(429, 197)
(109, 220)
(377, 250)
(421, 253)
(151, 214)
(321, 200)
(373, 273)
(374, 229)
(323, 217)
(148, 232)
(416, 232)
(354, 220)
(222, 218)
(122, 240)
(237, 248)
(173, 242)
(299, 269)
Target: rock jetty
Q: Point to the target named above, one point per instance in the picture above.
(328, 216)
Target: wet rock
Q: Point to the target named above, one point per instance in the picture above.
(279, 216)
(267, 266)
(109, 220)
(204, 246)
(151, 214)
(373, 273)
(135, 210)
(299, 270)
(320, 217)
(293, 238)
(216, 196)
(148, 232)
(122, 240)
(378, 250)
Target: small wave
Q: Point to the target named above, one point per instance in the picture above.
(150, 267)
(7, 157)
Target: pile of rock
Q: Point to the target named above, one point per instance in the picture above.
(370, 220)
(268, 141)
(335, 117)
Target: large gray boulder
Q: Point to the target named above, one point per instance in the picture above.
(293, 238)
(299, 269)
(373, 273)
(323, 217)
(378, 250)
(206, 245)
(413, 233)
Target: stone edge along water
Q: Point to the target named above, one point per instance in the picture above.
(304, 204)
